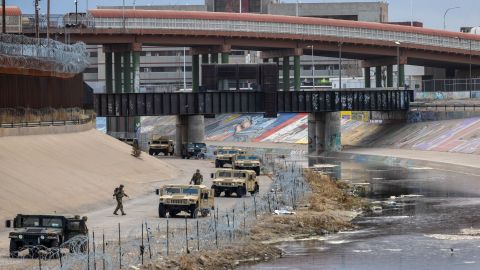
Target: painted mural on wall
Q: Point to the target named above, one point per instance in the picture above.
(462, 136)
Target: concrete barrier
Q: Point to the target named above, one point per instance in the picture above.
(26, 131)
(446, 95)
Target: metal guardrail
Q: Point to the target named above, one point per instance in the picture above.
(46, 123)
(445, 107)
(127, 24)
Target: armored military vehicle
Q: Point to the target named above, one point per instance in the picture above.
(247, 162)
(191, 199)
(161, 144)
(224, 155)
(43, 232)
(234, 181)
(194, 150)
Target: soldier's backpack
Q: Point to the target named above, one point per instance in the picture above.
(115, 191)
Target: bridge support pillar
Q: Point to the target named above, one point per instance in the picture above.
(312, 149)
(296, 72)
(367, 77)
(286, 73)
(324, 133)
(265, 60)
(109, 85)
(378, 77)
(189, 129)
(225, 57)
(214, 58)
(401, 75)
(389, 76)
(195, 72)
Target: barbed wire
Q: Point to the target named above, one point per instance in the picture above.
(43, 54)
(154, 240)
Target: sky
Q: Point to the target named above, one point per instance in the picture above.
(430, 12)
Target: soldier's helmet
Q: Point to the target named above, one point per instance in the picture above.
(121, 186)
(198, 170)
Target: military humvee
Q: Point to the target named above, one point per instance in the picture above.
(160, 144)
(247, 162)
(234, 181)
(43, 232)
(224, 155)
(191, 199)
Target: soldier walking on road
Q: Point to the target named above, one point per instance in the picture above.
(197, 178)
(119, 194)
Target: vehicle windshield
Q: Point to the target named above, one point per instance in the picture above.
(190, 190)
(239, 175)
(233, 152)
(53, 222)
(155, 142)
(164, 142)
(247, 158)
(172, 190)
(224, 174)
(200, 145)
(30, 222)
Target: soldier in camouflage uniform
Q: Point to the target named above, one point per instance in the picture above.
(119, 194)
(197, 178)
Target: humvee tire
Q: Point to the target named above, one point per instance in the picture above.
(13, 249)
(228, 193)
(257, 171)
(162, 212)
(256, 190)
(240, 192)
(217, 193)
(150, 152)
(173, 213)
(205, 212)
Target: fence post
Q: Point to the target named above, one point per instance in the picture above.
(94, 251)
(142, 248)
(216, 232)
(167, 239)
(119, 247)
(198, 238)
(88, 251)
(244, 218)
(186, 235)
(255, 204)
(103, 250)
(148, 240)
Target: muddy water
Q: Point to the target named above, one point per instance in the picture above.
(436, 226)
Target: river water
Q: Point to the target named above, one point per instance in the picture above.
(432, 222)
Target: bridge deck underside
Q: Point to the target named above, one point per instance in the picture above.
(221, 102)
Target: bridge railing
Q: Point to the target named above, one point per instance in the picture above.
(192, 24)
(451, 85)
(282, 28)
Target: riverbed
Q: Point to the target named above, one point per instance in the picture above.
(424, 218)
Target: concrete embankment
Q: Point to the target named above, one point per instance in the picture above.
(70, 173)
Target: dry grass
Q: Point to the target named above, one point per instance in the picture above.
(225, 258)
(329, 209)
(44, 115)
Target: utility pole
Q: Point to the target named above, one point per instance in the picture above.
(37, 19)
(76, 12)
(48, 19)
(4, 17)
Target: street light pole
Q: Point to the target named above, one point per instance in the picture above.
(398, 64)
(4, 17)
(76, 12)
(313, 71)
(296, 9)
(340, 65)
(184, 72)
(470, 68)
(445, 15)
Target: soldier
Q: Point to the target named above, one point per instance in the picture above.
(197, 178)
(119, 194)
